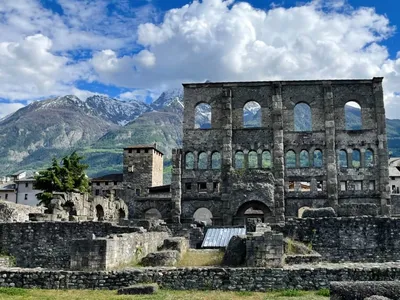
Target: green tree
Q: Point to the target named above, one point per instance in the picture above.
(67, 176)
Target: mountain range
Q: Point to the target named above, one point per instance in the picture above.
(99, 127)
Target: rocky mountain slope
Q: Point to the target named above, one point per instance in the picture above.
(100, 127)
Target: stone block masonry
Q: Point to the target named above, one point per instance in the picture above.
(208, 278)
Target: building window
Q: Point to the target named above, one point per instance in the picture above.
(202, 118)
(138, 151)
(343, 162)
(202, 186)
(356, 158)
(371, 185)
(239, 160)
(130, 150)
(97, 183)
(320, 186)
(358, 185)
(290, 160)
(304, 159)
(189, 161)
(97, 192)
(26, 184)
(291, 186)
(343, 185)
(216, 186)
(146, 151)
(252, 115)
(115, 183)
(216, 161)
(305, 186)
(137, 192)
(352, 112)
(202, 161)
(302, 117)
(26, 197)
(6, 196)
(188, 186)
(106, 183)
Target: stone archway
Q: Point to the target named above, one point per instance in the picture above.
(252, 212)
(152, 214)
(99, 213)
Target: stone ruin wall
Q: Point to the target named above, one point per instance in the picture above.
(277, 135)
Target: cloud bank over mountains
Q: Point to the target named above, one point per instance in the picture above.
(44, 53)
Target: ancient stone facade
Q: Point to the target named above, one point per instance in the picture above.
(278, 189)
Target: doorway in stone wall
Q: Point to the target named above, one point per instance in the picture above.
(99, 213)
(252, 212)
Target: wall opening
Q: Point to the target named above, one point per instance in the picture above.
(253, 159)
(99, 213)
(239, 160)
(152, 214)
(302, 117)
(304, 159)
(251, 115)
(121, 214)
(266, 159)
(202, 161)
(202, 118)
(70, 208)
(189, 161)
(290, 159)
(369, 158)
(317, 159)
(301, 211)
(216, 160)
(203, 215)
(352, 111)
(343, 163)
(356, 158)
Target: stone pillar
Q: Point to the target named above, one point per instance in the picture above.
(384, 187)
(278, 153)
(264, 249)
(176, 185)
(330, 151)
(226, 155)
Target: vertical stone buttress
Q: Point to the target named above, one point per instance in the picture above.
(176, 185)
(330, 148)
(382, 146)
(278, 153)
(226, 155)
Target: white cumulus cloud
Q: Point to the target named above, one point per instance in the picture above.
(227, 41)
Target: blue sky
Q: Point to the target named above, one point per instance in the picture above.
(135, 49)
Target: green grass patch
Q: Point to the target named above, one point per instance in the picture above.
(244, 293)
(291, 293)
(200, 258)
(13, 291)
(323, 292)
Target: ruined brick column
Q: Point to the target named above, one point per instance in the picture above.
(176, 185)
(330, 149)
(278, 154)
(382, 154)
(226, 165)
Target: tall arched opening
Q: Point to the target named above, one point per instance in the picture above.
(252, 212)
(152, 214)
(203, 215)
(99, 213)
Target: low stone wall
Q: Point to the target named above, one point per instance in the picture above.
(13, 212)
(360, 290)
(206, 278)
(114, 250)
(47, 244)
(369, 239)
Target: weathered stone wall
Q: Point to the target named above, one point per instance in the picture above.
(211, 187)
(47, 244)
(205, 278)
(264, 249)
(12, 212)
(114, 250)
(348, 238)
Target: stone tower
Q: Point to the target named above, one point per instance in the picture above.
(143, 168)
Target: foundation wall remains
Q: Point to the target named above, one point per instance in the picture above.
(205, 278)
(47, 244)
(368, 239)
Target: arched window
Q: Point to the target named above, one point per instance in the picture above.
(356, 159)
(290, 159)
(203, 215)
(239, 160)
(202, 117)
(343, 163)
(202, 162)
(302, 117)
(253, 160)
(369, 158)
(189, 161)
(251, 115)
(152, 214)
(216, 160)
(304, 159)
(99, 212)
(317, 159)
(352, 112)
(266, 159)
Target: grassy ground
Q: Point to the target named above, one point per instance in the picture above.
(201, 258)
(21, 294)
